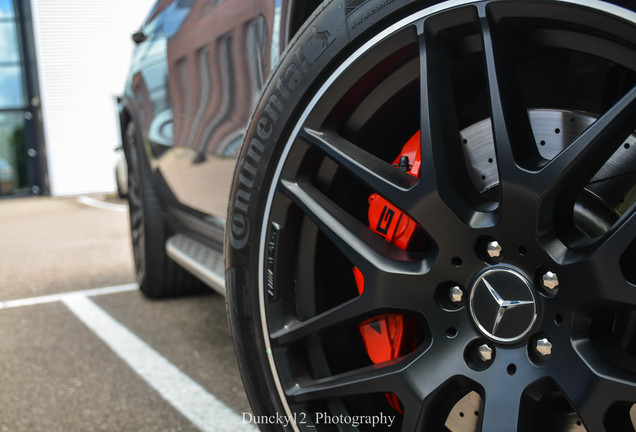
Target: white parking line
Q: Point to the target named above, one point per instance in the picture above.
(60, 297)
(92, 202)
(201, 408)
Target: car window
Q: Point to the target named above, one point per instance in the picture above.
(152, 13)
(173, 17)
(166, 18)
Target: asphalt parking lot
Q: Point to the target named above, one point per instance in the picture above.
(82, 350)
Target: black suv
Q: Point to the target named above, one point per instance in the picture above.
(422, 213)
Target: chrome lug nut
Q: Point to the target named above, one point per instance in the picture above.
(456, 294)
(494, 249)
(550, 282)
(544, 347)
(485, 352)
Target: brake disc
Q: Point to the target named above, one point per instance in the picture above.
(553, 130)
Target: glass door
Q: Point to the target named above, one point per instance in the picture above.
(16, 114)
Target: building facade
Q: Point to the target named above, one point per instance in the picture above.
(62, 65)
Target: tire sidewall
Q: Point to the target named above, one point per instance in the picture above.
(134, 162)
(318, 49)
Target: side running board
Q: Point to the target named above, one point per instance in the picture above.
(203, 262)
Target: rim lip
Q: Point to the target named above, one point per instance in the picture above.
(602, 6)
(479, 325)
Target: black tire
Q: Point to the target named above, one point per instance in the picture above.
(353, 86)
(157, 275)
(121, 193)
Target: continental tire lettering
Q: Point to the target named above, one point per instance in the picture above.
(303, 64)
(282, 89)
(292, 78)
(274, 107)
(239, 230)
(370, 13)
(242, 200)
(265, 126)
(239, 226)
(257, 145)
(250, 168)
(256, 157)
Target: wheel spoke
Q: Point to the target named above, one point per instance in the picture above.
(135, 234)
(412, 419)
(612, 245)
(512, 132)
(419, 384)
(605, 394)
(339, 316)
(604, 255)
(382, 292)
(576, 164)
(372, 379)
(135, 218)
(134, 197)
(592, 392)
(135, 201)
(436, 374)
(616, 289)
(439, 129)
(418, 410)
(444, 178)
(366, 249)
(501, 409)
(380, 176)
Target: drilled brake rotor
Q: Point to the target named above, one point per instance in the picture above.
(553, 130)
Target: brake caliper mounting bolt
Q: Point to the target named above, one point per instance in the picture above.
(494, 249)
(404, 164)
(485, 352)
(550, 282)
(544, 347)
(456, 294)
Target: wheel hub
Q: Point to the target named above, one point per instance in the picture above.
(503, 305)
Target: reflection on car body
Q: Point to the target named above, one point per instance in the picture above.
(214, 76)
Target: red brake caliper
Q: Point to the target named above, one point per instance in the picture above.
(388, 336)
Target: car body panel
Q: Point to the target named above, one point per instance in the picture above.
(191, 93)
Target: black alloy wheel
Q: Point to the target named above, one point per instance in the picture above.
(516, 296)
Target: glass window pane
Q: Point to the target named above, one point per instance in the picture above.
(8, 42)
(6, 9)
(12, 152)
(11, 93)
